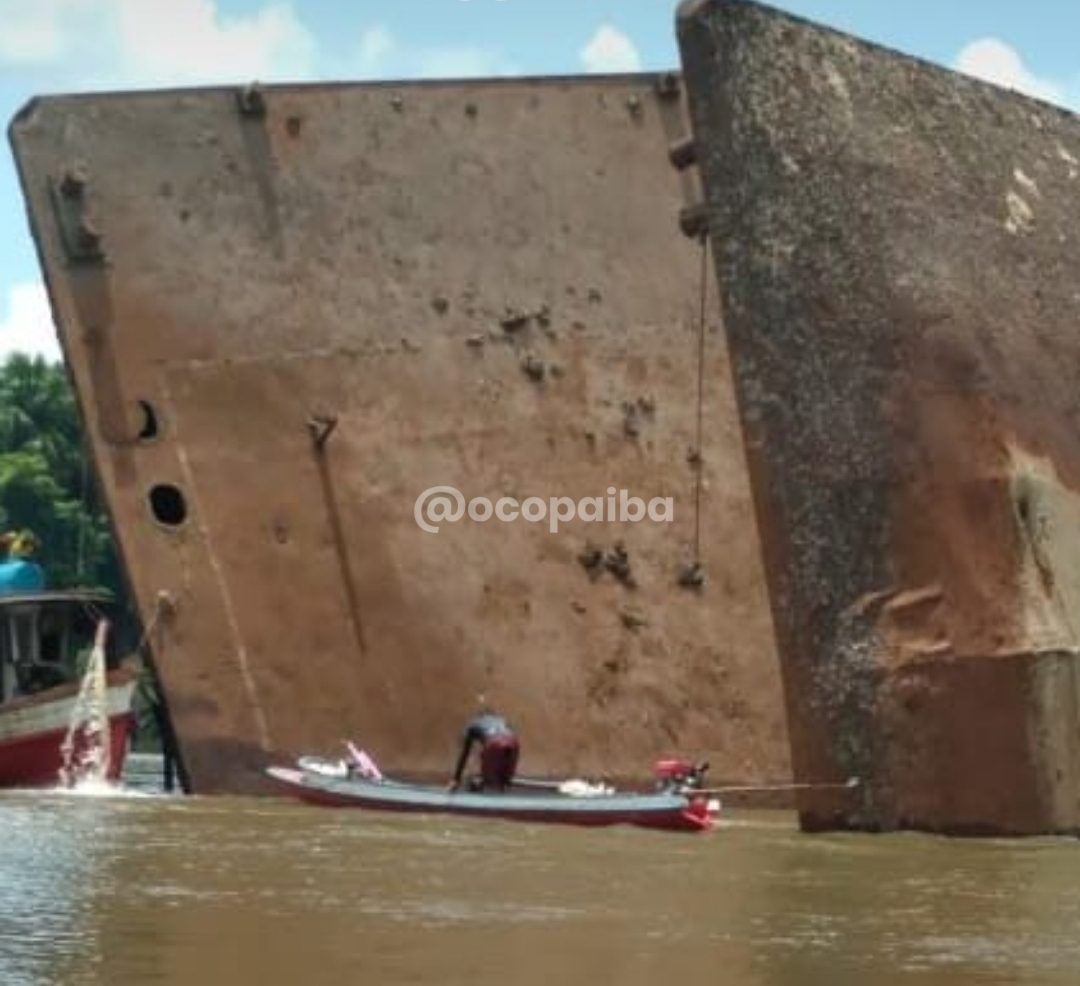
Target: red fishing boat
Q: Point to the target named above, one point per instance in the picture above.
(41, 635)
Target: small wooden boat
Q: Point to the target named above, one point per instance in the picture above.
(41, 633)
(334, 785)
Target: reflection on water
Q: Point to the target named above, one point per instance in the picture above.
(134, 890)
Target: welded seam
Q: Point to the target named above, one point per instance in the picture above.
(242, 658)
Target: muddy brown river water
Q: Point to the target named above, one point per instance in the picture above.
(132, 890)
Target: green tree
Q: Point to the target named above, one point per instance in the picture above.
(46, 484)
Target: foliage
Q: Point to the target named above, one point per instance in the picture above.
(47, 487)
(46, 483)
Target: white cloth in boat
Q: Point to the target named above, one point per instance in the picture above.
(583, 789)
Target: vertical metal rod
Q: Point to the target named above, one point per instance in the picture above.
(321, 428)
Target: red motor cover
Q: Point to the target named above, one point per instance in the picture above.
(672, 767)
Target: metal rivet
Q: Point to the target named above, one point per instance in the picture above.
(74, 181)
(694, 220)
(683, 154)
(668, 86)
(251, 100)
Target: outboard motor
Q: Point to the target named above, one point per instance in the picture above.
(675, 776)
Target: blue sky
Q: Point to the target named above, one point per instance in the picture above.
(73, 45)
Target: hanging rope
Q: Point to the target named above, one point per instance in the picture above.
(698, 461)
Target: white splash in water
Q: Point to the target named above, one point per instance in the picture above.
(87, 746)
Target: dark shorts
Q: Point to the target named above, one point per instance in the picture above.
(498, 762)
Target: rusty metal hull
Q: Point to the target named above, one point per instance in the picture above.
(893, 248)
(288, 312)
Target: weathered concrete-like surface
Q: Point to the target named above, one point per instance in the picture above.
(896, 247)
(351, 251)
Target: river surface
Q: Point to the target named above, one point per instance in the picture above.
(154, 889)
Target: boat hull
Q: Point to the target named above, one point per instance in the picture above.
(654, 811)
(32, 733)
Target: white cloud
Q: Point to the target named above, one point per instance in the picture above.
(376, 46)
(33, 32)
(178, 41)
(148, 43)
(993, 61)
(610, 51)
(380, 55)
(141, 43)
(27, 327)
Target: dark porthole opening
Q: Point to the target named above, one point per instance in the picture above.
(167, 505)
(149, 428)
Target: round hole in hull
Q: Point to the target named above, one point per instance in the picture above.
(168, 505)
(148, 427)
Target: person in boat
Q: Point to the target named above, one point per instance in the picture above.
(499, 750)
(18, 545)
(18, 572)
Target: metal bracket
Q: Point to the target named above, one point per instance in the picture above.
(683, 154)
(251, 101)
(321, 427)
(694, 221)
(80, 236)
(691, 576)
(669, 86)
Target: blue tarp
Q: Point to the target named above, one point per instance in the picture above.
(20, 576)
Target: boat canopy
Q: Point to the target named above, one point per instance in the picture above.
(41, 634)
(55, 597)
